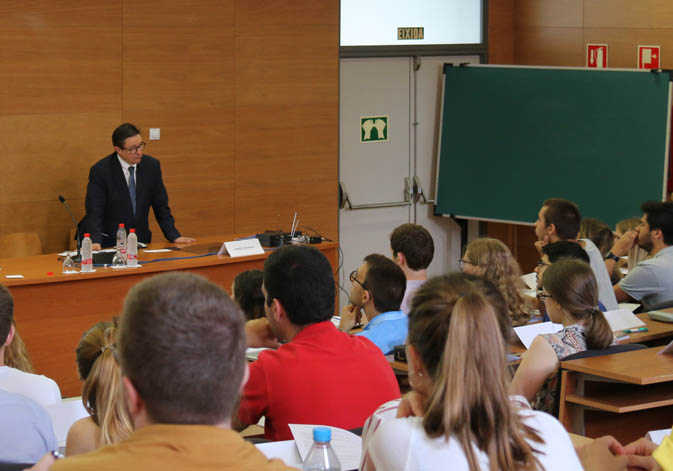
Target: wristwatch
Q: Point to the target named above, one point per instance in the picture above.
(611, 256)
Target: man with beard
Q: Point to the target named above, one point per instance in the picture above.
(651, 281)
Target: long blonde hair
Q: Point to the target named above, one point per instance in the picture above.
(102, 391)
(16, 354)
(499, 267)
(469, 401)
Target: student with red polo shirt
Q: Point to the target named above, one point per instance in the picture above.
(320, 375)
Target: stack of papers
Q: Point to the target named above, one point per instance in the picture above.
(621, 319)
(531, 280)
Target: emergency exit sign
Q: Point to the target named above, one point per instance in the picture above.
(373, 128)
(417, 32)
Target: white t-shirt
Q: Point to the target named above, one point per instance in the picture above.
(606, 294)
(412, 287)
(39, 388)
(402, 444)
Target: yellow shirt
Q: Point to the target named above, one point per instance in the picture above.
(175, 447)
(664, 453)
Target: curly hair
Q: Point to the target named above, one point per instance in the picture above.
(497, 265)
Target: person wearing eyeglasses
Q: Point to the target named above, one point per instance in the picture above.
(377, 289)
(122, 187)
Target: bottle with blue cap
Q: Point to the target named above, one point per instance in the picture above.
(321, 456)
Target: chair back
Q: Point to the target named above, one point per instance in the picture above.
(612, 349)
(20, 244)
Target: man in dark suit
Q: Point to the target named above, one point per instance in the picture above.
(121, 189)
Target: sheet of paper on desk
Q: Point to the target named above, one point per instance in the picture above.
(527, 333)
(285, 450)
(346, 445)
(621, 319)
(531, 280)
(668, 349)
(657, 436)
(156, 250)
(630, 306)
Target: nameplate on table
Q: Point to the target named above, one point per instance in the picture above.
(241, 248)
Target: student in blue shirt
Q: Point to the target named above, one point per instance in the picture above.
(377, 290)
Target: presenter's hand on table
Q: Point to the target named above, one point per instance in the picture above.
(258, 333)
(350, 315)
(184, 240)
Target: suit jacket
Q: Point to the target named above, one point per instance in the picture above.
(108, 202)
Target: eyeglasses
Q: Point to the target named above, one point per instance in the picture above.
(135, 149)
(462, 262)
(541, 263)
(543, 296)
(355, 280)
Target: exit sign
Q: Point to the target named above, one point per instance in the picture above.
(373, 128)
(417, 32)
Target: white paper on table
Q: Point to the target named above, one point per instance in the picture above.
(241, 248)
(667, 349)
(251, 354)
(13, 276)
(630, 306)
(527, 333)
(657, 436)
(621, 319)
(346, 445)
(336, 320)
(625, 271)
(530, 279)
(156, 250)
(285, 450)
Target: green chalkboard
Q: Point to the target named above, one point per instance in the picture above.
(512, 137)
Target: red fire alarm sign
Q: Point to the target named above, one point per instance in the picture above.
(649, 57)
(597, 56)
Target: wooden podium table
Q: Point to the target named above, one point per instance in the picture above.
(52, 310)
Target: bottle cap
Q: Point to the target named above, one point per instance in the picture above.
(86, 234)
(132, 231)
(121, 225)
(322, 434)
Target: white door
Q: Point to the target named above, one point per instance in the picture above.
(374, 173)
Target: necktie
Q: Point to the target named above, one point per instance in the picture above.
(132, 188)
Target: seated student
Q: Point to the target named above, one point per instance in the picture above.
(413, 249)
(246, 290)
(458, 415)
(492, 259)
(181, 344)
(635, 254)
(559, 219)
(598, 232)
(571, 298)
(16, 354)
(651, 281)
(109, 421)
(41, 389)
(320, 375)
(26, 431)
(377, 288)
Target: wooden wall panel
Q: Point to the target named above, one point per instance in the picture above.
(501, 32)
(559, 13)
(286, 115)
(627, 14)
(546, 46)
(623, 44)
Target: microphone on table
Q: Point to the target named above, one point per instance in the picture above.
(77, 257)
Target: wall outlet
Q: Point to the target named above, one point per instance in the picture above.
(155, 134)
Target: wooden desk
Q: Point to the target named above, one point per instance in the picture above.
(53, 311)
(656, 330)
(625, 394)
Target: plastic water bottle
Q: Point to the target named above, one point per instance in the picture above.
(87, 254)
(121, 241)
(321, 456)
(132, 249)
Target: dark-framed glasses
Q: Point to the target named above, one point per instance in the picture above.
(352, 278)
(462, 262)
(541, 263)
(135, 149)
(542, 296)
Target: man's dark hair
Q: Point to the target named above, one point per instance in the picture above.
(660, 216)
(563, 214)
(565, 249)
(248, 293)
(6, 313)
(122, 133)
(386, 282)
(182, 344)
(415, 242)
(301, 278)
